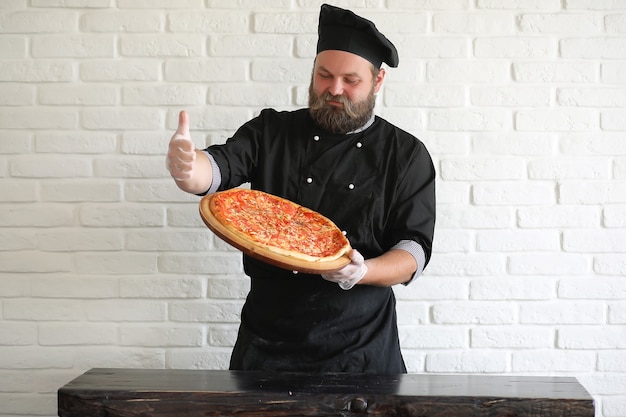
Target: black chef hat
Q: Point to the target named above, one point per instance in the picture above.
(342, 30)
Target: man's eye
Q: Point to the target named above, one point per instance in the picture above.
(351, 81)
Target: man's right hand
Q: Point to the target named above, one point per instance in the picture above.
(181, 155)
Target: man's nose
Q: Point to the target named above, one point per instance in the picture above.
(336, 87)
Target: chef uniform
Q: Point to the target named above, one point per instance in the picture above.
(376, 184)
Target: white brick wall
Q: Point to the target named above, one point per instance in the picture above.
(105, 263)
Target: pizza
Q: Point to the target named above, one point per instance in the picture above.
(277, 225)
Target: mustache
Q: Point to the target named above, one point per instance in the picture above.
(321, 102)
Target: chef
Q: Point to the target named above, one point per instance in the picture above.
(374, 180)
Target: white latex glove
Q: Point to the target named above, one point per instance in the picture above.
(181, 154)
(348, 276)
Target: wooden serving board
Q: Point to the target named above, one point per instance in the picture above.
(264, 254)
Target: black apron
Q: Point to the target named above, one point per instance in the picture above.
(378, 186)
(304, 323)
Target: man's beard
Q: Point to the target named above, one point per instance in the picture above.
(342, 119)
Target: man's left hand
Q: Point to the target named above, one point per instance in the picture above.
(348, 276)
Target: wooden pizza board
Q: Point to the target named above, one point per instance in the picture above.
(262, 253)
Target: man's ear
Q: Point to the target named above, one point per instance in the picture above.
(379, 80)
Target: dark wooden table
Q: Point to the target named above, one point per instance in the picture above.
(195, 393)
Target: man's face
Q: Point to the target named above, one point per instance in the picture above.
(342, 91)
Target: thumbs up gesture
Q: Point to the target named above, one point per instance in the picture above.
(181, 154)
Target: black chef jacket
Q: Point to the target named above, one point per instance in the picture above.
(378, 186)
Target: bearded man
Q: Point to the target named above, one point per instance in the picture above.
(371, 178)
